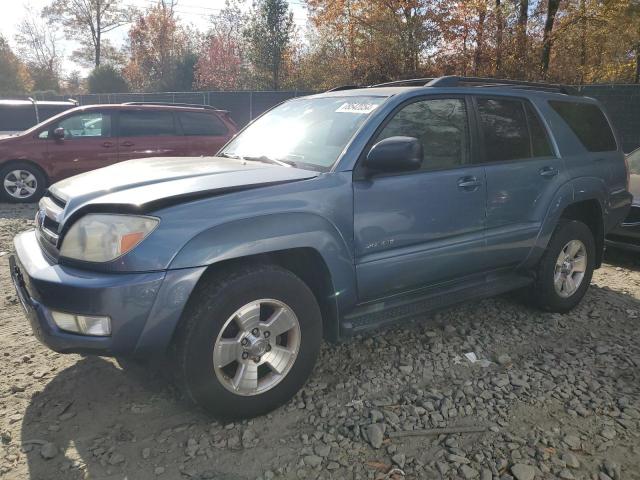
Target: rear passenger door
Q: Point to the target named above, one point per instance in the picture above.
(148, 133)
(523, 174)
(204, 133)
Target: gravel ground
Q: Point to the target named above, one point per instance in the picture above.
(557, 396)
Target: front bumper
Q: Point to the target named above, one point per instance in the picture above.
(144, 307)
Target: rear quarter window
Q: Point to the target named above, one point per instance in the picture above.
(17, 118)
(201, 124)
(588, 123)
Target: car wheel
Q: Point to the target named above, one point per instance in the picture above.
(565, 270)
(22, 183)
(249, 340)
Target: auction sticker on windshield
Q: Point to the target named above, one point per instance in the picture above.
(350, 107)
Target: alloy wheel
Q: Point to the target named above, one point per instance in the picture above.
(570, 268)
(20, 184)
(256, 347)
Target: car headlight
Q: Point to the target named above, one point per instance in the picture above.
(105, 237)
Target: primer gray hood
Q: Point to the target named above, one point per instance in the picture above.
(146, 182)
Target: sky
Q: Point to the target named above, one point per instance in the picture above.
(194, 12)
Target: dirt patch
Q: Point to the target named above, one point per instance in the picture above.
(559, 395)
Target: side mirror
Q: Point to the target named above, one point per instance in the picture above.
(58, 133)
(395, 154)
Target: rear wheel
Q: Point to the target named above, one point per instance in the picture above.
(22, 182)
(566, 268)
(249, 341)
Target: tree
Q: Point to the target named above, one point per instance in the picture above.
(268, 36)
(160, 51)
(38, 47)
(73, 84)
(106, 79)
(14, 76)
(87, 21)
(547, 40)
(221, 60)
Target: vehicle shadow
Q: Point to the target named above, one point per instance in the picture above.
(622, 258)
(100, 417)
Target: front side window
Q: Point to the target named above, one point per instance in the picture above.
(311, 132)
(440, 125)
(504, 129)
(139, 123)
(588, 123)
(84, 124)
(201, 124)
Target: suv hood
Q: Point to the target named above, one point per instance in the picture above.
(149, 183)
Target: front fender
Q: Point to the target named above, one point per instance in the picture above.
(272, 233)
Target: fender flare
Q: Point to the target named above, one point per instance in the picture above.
(272, 233)
(574, 191)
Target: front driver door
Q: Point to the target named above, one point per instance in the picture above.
(87, 144)
(424, 227)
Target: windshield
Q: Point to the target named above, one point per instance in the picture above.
(306, 132)
(634, 161)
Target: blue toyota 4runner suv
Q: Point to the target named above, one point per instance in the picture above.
(329, 215)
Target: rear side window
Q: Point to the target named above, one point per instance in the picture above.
(138, 123)
(504, 129)
(588, 123)
(540, 145)
(201, 124)
(17, 118)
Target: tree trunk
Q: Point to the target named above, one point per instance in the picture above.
(499, 31)
(477, 60)
(547, 40)
(636, 78)
(523, 20)
(583, 40)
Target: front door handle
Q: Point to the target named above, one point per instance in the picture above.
(107, 144)
(548, 172)
(127, 144)
(468, 183)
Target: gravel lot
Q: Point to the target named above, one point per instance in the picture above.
(559, 397)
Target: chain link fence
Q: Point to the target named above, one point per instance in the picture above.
(622, 102)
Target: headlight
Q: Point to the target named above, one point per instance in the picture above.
(105, 237)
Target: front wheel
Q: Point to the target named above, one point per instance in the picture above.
(249, 341)
(21, 183)
(566, 268)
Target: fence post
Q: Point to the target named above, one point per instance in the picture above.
(250, 106)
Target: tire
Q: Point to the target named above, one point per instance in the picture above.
(32, 186)
(226, 308)
(550, 292)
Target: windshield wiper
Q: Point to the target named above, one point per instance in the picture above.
(265, 159)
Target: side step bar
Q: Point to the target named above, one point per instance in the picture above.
(394, 309)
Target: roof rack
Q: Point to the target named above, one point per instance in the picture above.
(172, 104)
(343, 87)
(410, 82)
(455, 81)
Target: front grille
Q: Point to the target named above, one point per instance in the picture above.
(48, 221)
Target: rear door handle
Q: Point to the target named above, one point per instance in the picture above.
(548, 172)
(107, 144)
(127, 144)
(468, 183)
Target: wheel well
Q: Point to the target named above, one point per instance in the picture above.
(29, 162)
(308, 265)
(589, 212)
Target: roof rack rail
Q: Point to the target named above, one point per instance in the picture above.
(172, 104)
(410, 82)
(342, 87)
(455, 81)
